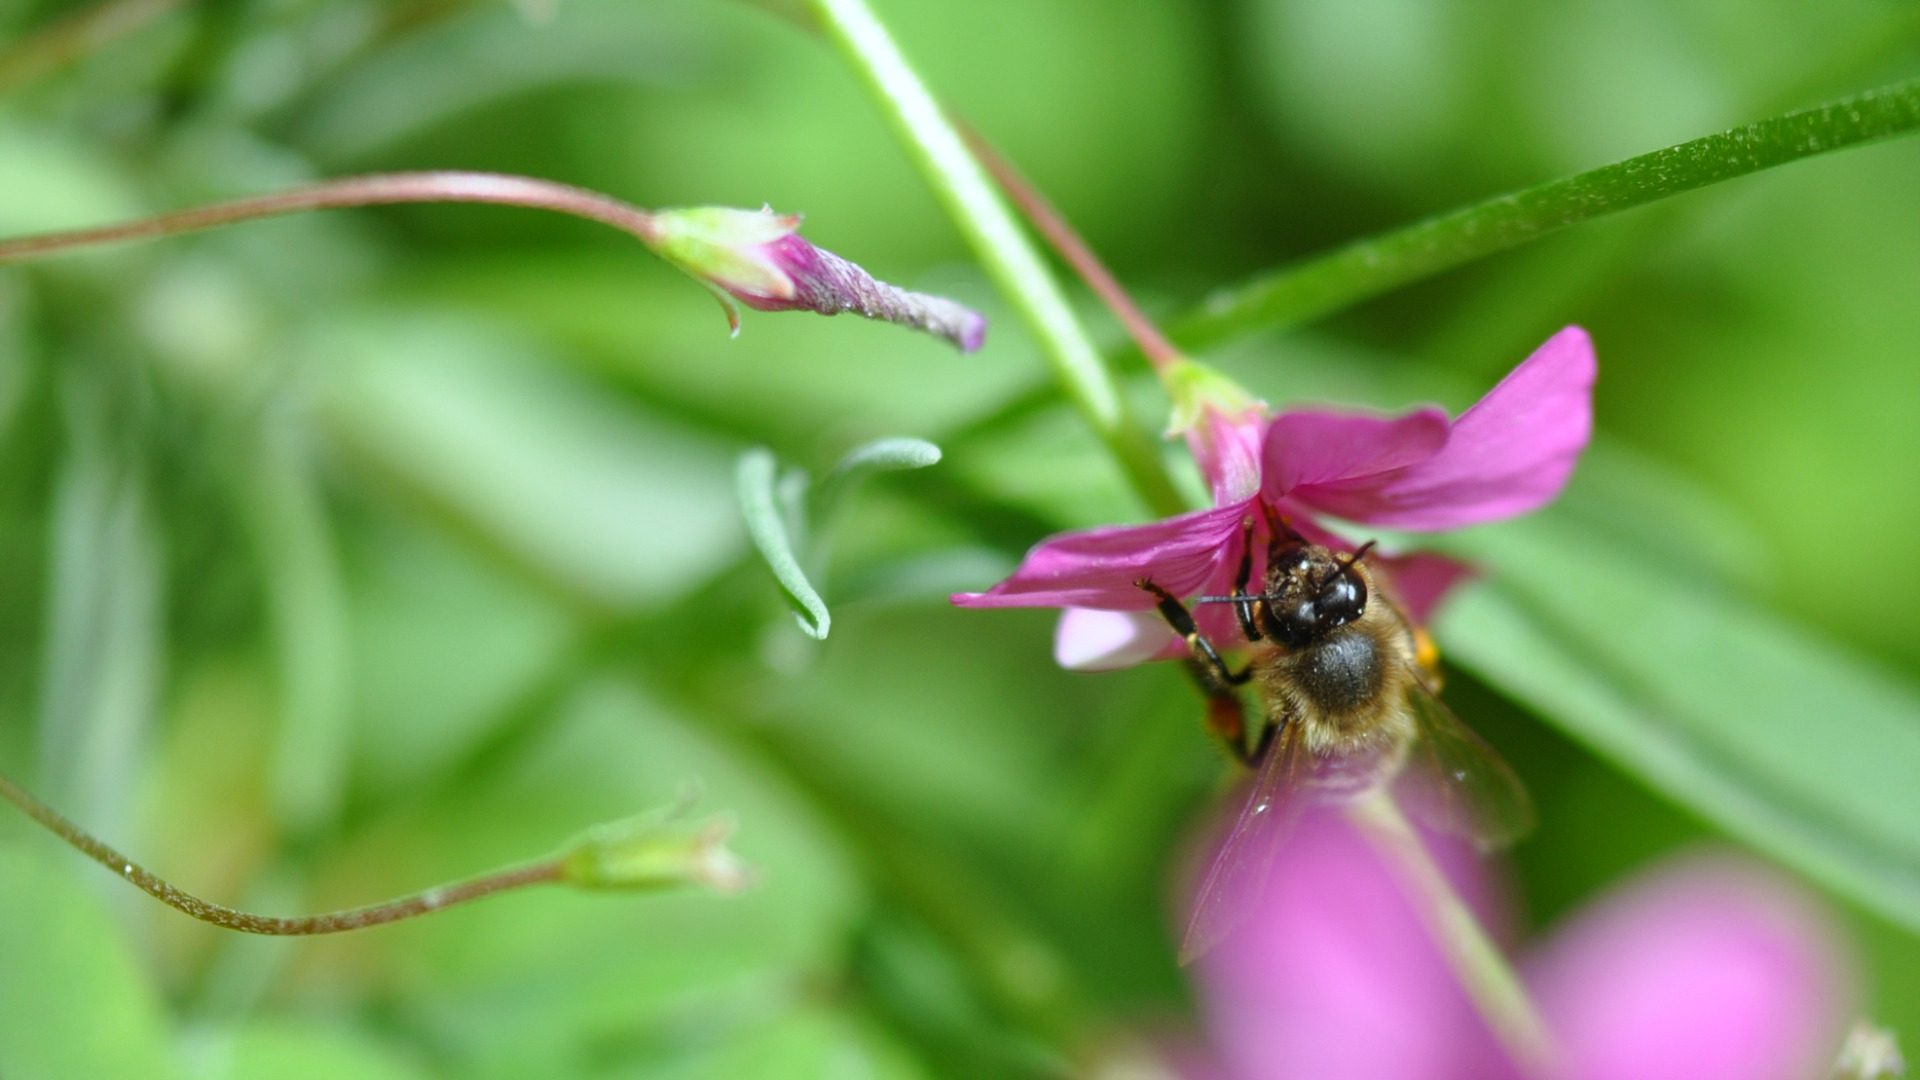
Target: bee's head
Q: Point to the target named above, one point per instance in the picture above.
(1310, 591)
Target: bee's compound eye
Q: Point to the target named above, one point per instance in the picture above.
(1342, 601)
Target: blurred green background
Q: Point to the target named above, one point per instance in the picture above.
(348, 554)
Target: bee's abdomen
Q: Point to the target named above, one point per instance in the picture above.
(1341, 674)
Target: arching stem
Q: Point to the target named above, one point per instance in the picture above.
(378, 190)
(543, 872)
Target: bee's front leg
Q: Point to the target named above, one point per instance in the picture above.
(1226, 717)
(1178, 617)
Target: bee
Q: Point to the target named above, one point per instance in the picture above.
(1350, 695)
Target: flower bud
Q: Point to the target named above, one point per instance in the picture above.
(1223, 426)
(656, 851)
(759, 259)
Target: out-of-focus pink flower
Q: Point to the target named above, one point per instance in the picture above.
(1510, 453)
(1709, 968)
(759, 259)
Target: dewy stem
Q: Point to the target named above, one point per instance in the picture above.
(1367, 268)
(378, 190)
(543, 872)
(1015, 265)
(1477, 962)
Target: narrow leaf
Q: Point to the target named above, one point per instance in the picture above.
(881, 455)
(1367, 268)
(756, 480)
(1767, 729)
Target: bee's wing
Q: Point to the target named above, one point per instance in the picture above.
(1457, 783)
(1234, 883)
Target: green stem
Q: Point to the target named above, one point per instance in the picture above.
(1367, 268)
(1477, 962)
(1011, 259)
(543, 872)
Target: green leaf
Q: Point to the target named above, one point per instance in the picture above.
(614, 504)
(1373, 266)
(790, 524)
(881, 455)
(280, 493)
(287, 1049)
(1775, 734)
(757, 481)
(75, 1002)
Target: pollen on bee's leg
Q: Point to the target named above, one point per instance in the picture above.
(1427, 655)
(1226, 718)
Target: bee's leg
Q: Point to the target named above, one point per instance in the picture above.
(1178, 617)
(1245, 606)
(1226, 718)
(1265, 742)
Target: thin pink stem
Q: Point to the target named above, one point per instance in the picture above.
(379, 190)
(1071, 247)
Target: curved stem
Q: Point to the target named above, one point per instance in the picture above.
(406, 907)
(377, 190)
(1074, 249)
(1008, 255)
(1477, 962)
(1367, 268)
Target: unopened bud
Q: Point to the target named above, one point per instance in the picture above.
(656, 851)
(759, 259)
(1223, 426)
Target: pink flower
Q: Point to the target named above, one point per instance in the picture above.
(759, 259)
(1510, 453)
(1710, 968)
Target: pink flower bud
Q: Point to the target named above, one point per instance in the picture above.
(1223, 425)
(759, 259)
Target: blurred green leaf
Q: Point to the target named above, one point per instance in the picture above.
(75, 1003)
(307, 598)
(1376, 265)
(103, 653)
(487, 54)
(759, 485)
(446, 645)
(281, 1049)
(1774, 733)
(620, 507)
(50, 181)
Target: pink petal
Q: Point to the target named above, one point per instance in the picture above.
(1336, 977)
(1097, 568)
(1420, 580)
(1713, 969)
(1227, 447)
(1510, 453)
(1090, 640)
(1309, 448)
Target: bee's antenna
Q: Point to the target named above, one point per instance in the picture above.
(1346, 564)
